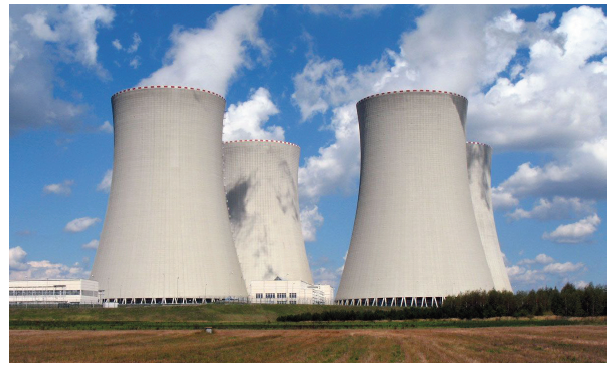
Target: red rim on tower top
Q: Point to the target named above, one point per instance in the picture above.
(411, 91)
(167, 87)
(257, 140)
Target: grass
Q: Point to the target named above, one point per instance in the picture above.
(575, 343)
(195, 325)
(210, 313)
(237, 316)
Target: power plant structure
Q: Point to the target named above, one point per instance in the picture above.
(167, 236)
(263, 202)
(479, 158)
(415, 238)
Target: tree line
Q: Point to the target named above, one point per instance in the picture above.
(570, 301)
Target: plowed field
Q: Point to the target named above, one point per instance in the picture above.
(506, 344)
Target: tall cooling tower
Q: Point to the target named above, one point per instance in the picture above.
(415, 238)
(261, 185)
(479, 158)
(167, 235)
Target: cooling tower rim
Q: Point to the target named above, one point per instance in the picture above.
(167, 87)
(258, 140)
(478, 143)
(410, 91)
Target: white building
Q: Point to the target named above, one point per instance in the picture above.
(289, 292)
(53, 292)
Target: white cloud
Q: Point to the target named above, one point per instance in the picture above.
(311, 220)
(106, 182)
(581, 284)
(135, 62)
(522, 275)
(16, 53)
(74, 28)
(502, 200)
(117, 44)
(59, 188)
(21, 270)
(576, 232)
(540, 259)
(336, 165)
(581, 173)
(41, 36)
(106, 127)
(327, 276)
(210, 58)
(136, 43)
(557, 209)
(346, 11)
(324, 85)
(543, 270)
(563, 268)
(40, 28)
(15, 259)
(81, 224)
(559, 97)
(91, 245)
(246, 120)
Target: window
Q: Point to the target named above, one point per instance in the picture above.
(10, 292)
(73, 292)
(259, 295)
(293, 295)
(293, 302)
(281, 295)
(270, 296)
(281, 302)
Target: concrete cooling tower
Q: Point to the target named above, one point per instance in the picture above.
(167, 236)
(479, 158)
(261, 185)
(415, 238)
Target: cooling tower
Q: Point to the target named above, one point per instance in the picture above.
(479, 158)
(167, 235)
(415, 239)
(261, 185)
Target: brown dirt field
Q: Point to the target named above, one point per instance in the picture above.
(519, 344)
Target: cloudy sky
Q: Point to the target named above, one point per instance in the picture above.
(535, 77)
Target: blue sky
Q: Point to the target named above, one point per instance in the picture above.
(535, 77)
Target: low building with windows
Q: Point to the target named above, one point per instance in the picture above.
(289, 292)
(53, 292)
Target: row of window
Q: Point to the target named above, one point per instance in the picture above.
(280, 295)
(293, 302)
(50, 292)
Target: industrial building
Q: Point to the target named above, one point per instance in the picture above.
(51, 291)
(479, 158)
(167, 236)
(415, 238)
(289, 292)
(263, 201)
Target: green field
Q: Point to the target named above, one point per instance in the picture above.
(237, 316)
(218, 313)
